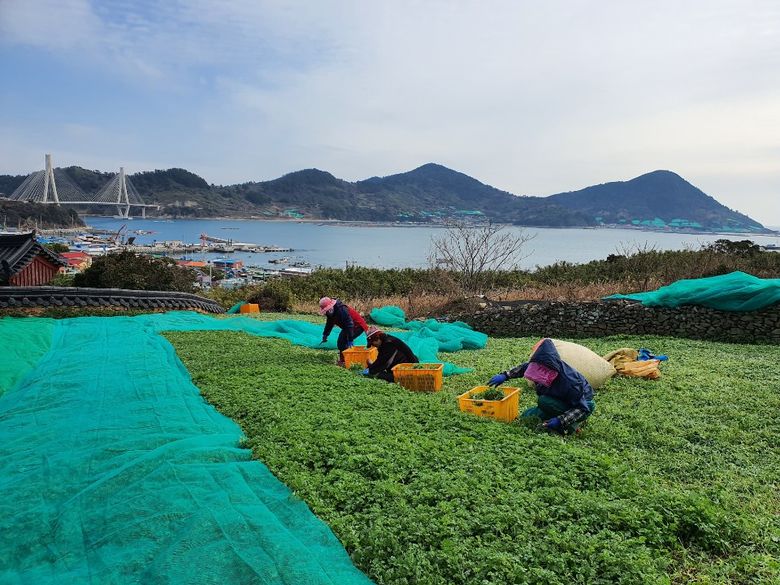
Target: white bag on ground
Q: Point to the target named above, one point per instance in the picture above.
(594, 368)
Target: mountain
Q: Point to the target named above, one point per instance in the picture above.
(431, 193)
(660, 199)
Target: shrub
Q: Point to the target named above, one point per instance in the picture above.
(137, 272)
(57, 247)
(227, 297)
(276, 295)
(62, 280)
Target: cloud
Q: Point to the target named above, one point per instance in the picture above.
(531, 97)
(48, 24)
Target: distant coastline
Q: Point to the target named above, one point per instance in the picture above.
(773, 232)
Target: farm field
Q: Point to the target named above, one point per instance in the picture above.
(674, 480)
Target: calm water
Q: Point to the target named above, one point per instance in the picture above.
(390, 246)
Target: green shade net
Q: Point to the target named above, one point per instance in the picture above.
(390, 316)
(21, 347)
(431, 335)
(425, 339)
(736, 291)
(113, 468)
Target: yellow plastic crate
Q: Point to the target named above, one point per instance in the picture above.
(505, 410)
(419, 377)
(359, 355)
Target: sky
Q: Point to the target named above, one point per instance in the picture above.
(531, 97)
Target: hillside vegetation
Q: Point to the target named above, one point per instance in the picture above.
(14, 214)
(430, 193)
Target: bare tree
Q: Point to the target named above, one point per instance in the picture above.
(475, 252)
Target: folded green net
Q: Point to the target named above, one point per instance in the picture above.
(736, 291)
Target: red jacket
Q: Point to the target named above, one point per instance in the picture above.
(346, 318)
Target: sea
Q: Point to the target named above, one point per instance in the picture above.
(394, 246)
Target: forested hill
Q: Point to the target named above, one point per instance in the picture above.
(21, 214)
(430, 193)
(658, 199)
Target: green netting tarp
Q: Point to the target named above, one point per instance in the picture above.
(425, 340)
(390, 316)
(736, 291)
(448, 337)
(113, 468)
(22, 347)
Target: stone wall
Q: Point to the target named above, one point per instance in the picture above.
(601, 318)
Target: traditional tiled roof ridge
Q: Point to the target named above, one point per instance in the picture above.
(17, 297)
(18, 250)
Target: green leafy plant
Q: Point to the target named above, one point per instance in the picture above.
(671, 481)
(489, 394)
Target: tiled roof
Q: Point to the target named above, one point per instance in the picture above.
(18, 250)
(16, 297)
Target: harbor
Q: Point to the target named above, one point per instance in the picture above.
(218, 261)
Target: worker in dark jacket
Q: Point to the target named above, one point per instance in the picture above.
(391, 352)
(346, 318)
(564, 396)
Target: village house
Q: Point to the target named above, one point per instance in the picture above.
(25, 262)
(77, 261)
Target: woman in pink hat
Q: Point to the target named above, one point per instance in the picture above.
(346, 318)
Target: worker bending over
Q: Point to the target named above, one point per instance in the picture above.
(347, 319)
(564, 397)
(391, 352)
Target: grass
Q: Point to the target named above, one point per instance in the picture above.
(672, 480)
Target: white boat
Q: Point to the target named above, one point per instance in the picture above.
(99, 250)
(293, 271)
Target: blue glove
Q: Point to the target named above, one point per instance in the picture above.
(365, 372)
(498, 379)
(350, 344)
(554, 424)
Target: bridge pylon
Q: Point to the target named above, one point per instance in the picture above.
(122, 198)
(48, 181)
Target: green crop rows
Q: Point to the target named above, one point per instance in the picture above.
(673, 480)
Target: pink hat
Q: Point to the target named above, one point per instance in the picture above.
(326, 304)
(372, 331)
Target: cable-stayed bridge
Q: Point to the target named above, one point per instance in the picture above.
(54, 187)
